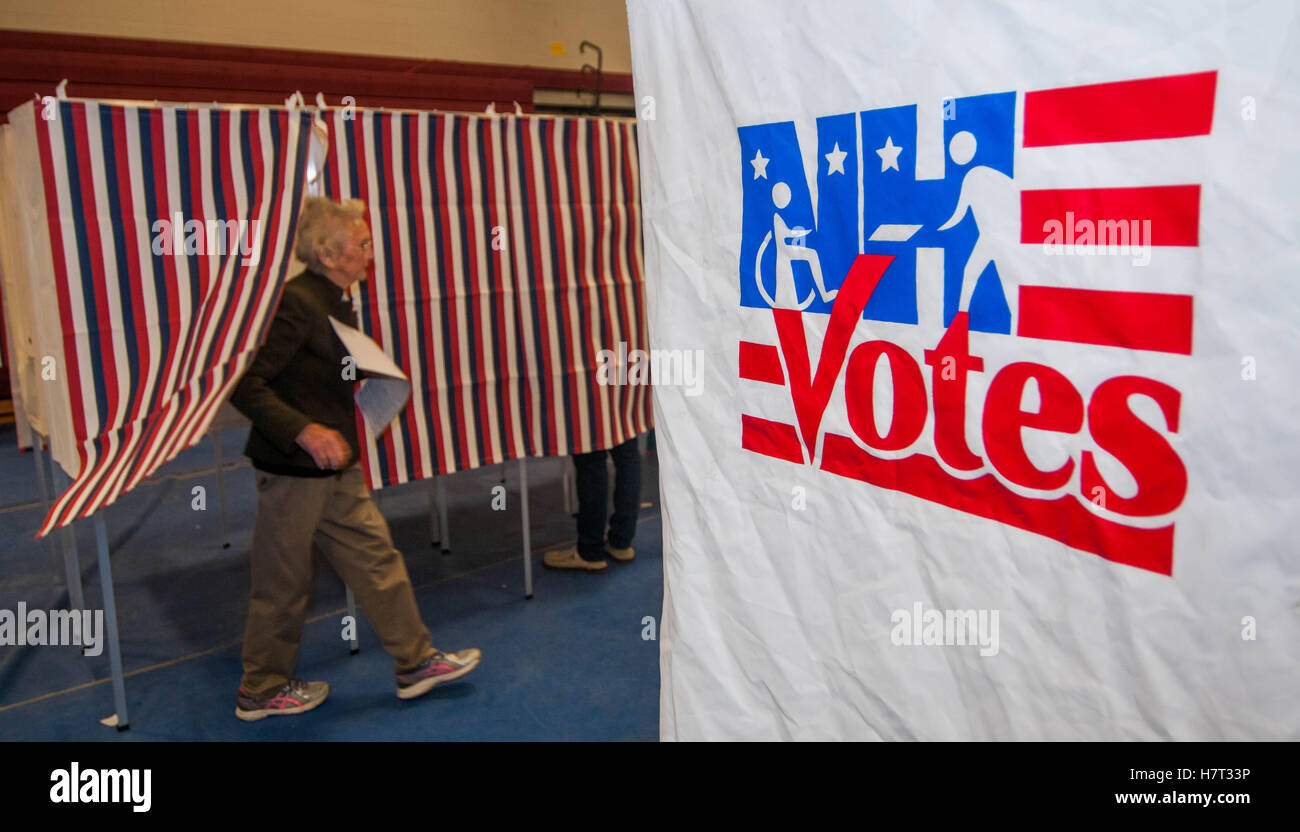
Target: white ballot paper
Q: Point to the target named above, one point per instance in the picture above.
(384, 391)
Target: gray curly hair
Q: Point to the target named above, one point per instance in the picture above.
(322, 225)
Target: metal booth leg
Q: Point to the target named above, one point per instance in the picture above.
(528, 544)
(110, 618)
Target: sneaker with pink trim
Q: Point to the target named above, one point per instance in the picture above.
(438, 668)
(297, 697)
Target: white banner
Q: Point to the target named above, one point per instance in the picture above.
(996, 437)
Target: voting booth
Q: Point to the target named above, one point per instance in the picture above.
(145, 248)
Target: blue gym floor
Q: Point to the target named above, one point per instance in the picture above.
(570, 664)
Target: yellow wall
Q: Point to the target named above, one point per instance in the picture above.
(488, 31)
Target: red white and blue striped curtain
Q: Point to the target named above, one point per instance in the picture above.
(153, 343)
(507, 256)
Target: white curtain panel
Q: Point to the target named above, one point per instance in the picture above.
(996, 306)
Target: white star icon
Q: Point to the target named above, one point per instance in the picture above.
(835, 160)
(889, 155)
(760, 164)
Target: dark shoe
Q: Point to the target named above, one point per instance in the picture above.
(297, 697)
(438, 668)
(570, 560)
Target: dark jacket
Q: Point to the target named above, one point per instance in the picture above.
(297, 378)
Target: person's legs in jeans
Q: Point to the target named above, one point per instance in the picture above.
(593, 491)
(627, 493)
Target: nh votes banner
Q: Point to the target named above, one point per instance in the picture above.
(996, 437)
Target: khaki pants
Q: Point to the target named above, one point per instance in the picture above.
(335, 514)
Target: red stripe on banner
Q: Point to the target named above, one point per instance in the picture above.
(761, 362)
(1063, 519)
(1173, 212)
(1136, 320)
(1121, 111)
(364, 446)
(333, 149)
(775, 439)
